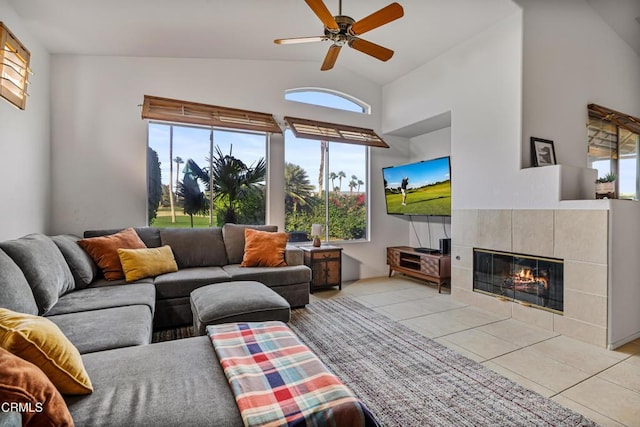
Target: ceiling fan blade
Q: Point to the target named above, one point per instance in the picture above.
(372, 49)
(321, 11)
(378, 19)
(330, 59)
(295, 40)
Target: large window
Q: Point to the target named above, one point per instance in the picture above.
(326, 183)
(182, 187)
(614, 149)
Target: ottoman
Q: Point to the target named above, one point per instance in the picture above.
(230, 302)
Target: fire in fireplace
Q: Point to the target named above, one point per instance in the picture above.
(530, 280)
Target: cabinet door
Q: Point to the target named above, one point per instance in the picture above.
(393, 257)
(430, 266)
(326, 273)
(333, 272)
(319, 273)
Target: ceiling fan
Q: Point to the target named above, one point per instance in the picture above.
(343, 30)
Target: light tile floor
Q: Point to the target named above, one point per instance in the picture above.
(600, 384)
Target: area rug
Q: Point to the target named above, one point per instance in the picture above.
(172, 334)
(407, 379)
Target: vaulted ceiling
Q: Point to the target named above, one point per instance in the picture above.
(245, 29)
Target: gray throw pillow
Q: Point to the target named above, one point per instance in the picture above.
(82, 267)
(234, 239)
(44, 267)
(15, 292)
(195, 247)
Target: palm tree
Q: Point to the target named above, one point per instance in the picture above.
(178, 161)
(173, 209)
(360, 182)
(340, 176)
(323, 149)
(297, 188)
(352, 184)
(332, 177)
(195, 201)
(233, 181)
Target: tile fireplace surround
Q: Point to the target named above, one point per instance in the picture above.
(579, 237)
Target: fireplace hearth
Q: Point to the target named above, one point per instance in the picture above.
(526, 279)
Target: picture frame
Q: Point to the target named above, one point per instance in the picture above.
(542, 152)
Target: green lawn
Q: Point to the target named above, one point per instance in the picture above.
(182, 221)
(435, 200)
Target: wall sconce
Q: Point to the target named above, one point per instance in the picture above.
(14, 68)
(316, 231)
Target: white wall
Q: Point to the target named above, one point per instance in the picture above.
(25, 144)
(479, 82)
(99, 139)
(572, 58)
(567, 67)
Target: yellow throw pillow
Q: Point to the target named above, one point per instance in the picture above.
(264, 248)
(38, 340)
(140, 263)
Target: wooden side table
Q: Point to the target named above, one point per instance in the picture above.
(325, 263)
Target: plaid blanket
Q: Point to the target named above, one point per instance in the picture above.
(278, 381)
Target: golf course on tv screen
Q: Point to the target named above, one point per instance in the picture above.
(421, 188)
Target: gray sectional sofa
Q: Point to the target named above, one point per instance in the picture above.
(111, 323)
(213, 255)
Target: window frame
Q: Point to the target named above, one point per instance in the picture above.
(326, 190)
(212, 130)
(619, 121)
(366, 108)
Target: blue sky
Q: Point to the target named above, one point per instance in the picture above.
(193, 143)
(420, 173)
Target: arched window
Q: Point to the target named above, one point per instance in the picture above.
(327, 98)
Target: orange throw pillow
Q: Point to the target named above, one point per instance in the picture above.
(26, 389)
(264, 248)
(104, 251)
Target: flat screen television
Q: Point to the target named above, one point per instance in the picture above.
(420, 188)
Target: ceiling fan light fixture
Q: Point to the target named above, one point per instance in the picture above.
(343, 30)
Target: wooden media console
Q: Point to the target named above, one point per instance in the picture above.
(432, 267)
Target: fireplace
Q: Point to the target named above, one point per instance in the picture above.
(527, 279)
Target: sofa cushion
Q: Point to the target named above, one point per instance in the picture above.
(15, 292)
(196, 247)
(149, 235)
(242, 301)
(82, 267)
(108, 328)
(97, 298)
(173, 383)
(104, 251)
(234, 239)
(44, 267)
(23, 382)
(264, 248)
(270, 276)
(39, 341)
(140, 263)
(182, 282)
(101, 282)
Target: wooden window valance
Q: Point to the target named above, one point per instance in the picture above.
(173, 110)
(14, 68)
(312, 129)
(622, 120)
